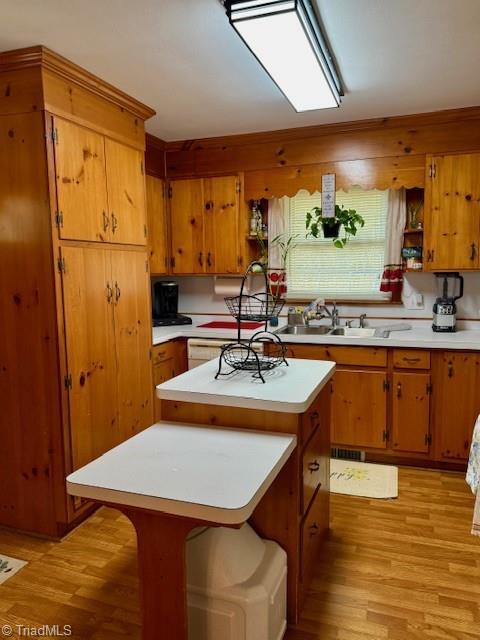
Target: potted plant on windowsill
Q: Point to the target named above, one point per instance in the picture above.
(349, 219)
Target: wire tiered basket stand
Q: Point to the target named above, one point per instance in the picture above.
(260, 307)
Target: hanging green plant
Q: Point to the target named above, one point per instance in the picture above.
(349, 219)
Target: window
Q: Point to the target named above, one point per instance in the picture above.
(316, 268)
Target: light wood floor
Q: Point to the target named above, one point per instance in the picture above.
(401, 569)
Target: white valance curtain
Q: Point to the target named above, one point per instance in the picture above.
(278, 209)
(392, 278)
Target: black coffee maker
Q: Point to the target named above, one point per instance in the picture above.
(450, 289)
(165, 305)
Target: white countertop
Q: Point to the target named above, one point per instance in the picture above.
(287, 389)
(420, 336)
(212, 474)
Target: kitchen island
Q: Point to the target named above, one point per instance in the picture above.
(295, 399)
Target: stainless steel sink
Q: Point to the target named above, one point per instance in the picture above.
(353, 332)
(301, 330)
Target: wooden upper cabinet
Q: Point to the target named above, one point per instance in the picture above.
(81, 183)
(359, 408)
(157, 225)
(91, 360)
(133, 339)
(456, 406)
(411, 412)
(222, 241)
(186, 220)
(126, 193)
(452, 212)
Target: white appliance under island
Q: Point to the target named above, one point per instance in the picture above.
(294, 399)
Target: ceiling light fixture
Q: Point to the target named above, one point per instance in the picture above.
(286, 38)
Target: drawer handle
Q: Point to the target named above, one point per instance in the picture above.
(411, 359)
(314, 466)
(314, 529)
(161, 354)
(399, 390)
(314, 417)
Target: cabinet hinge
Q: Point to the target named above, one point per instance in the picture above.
(170, 191)
(55, 135)
(428, 438)
(67, 381)
(145, 230)
(385, 435)
(429, 388)
(150, 354)
(146, 266)
(141, 167)
(61, 266)
(386, 385)
(59, 219)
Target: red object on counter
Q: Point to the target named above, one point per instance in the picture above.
(225, 324)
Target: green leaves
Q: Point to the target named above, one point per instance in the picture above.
(349, 219)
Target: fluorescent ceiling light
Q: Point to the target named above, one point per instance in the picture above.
(284, 35)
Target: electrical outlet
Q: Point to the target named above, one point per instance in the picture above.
(419, 301)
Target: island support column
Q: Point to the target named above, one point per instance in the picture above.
(162, 573)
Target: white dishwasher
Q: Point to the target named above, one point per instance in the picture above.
(203, 350)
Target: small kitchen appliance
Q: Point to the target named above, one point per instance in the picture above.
(450, 289)
(165, 305)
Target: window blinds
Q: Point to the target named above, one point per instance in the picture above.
(317, 268)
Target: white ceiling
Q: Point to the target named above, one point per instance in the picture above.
(182, 58)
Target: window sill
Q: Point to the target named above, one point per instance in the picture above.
(345, 301)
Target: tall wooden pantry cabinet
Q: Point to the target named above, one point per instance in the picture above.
(75, 371)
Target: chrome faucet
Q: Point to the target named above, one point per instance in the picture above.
(318, 310)
(361, 320)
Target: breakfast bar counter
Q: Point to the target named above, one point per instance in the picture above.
(170, 479)
(295, 400)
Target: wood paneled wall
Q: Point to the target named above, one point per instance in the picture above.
(386, 152)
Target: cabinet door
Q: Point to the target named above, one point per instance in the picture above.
(222, 241)
(456, 402)
(161, 373)
(452, 223)
(90, 347)
(157, 225)
(81, 183)
(411, 412)
(126, 193)
(359, 408)
(186, 223)
(133, 339)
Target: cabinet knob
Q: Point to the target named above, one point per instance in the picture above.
(399, 390)
(209, 259)
(314, 529)
(114, 222)
(473, 251)
(314, 466)
(200, 259)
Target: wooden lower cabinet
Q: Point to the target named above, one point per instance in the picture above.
(411, 412)
(168, 360)
(295, 510)
(415, 406)
(359, 408)
(456, 380)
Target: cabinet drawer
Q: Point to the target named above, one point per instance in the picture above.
(354, 356)
(411, 359)
(314, 529)
(163, 352)
(315, 466)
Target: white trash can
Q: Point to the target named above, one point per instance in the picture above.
(236, 585)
